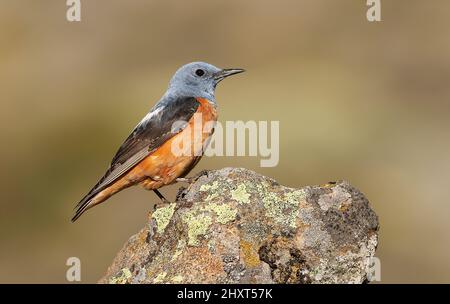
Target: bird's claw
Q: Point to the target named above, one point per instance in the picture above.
(161, 204)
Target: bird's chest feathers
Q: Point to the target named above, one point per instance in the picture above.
(207, 110)
(197, 133)
(178, 154)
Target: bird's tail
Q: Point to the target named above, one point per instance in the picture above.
(84, 205)
(98, 195)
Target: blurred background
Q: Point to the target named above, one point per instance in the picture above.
(365, 102)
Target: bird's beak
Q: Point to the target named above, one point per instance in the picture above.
(222, 74)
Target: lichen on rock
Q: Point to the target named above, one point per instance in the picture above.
(224, 213)
(236, 226)
(240, 194)
(123, 277)
(163, 216)
(197, 224)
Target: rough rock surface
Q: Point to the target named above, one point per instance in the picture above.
(236, 226)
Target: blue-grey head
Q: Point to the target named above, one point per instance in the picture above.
(198, 79)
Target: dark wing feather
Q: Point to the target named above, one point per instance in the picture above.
(149, 134)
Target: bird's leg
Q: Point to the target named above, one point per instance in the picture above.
(185, 180)
(188, 180)
(164, 201)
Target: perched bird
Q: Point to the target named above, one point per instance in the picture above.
(146, 156)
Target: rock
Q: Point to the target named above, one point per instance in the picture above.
(236, 226)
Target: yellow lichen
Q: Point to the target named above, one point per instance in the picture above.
(223, 212)
(123, 278)
(198, 224)
(283, 210)
(208, 187)
(240, 194)
(177, 279)
(211, 196)
(162, 217)
(160, 277)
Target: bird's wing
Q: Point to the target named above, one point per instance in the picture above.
(154, 130)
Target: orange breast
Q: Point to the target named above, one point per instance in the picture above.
(163, 166)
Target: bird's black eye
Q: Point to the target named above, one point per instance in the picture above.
(199, 72)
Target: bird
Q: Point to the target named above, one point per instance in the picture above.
(146, 156)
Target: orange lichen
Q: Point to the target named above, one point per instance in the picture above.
(250, 254)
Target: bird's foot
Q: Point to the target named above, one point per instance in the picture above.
(163, 201)
(161, 204)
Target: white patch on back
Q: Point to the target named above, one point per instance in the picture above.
(150, 115)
